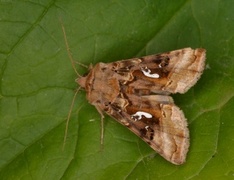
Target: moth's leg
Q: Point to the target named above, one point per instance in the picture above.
(69, 116)
(102, 124)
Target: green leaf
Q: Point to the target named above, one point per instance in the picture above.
(37, 86)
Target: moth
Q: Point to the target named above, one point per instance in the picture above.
(136, 93)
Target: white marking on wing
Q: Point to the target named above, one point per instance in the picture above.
(138, 115)
(147, 72)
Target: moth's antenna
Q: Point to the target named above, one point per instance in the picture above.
(74, 67)
(69, 51)
(68, 117)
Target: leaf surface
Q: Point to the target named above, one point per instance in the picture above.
(37, 86)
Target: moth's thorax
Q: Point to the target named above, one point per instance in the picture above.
(100, 84)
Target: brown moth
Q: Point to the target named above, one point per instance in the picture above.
(135, 92)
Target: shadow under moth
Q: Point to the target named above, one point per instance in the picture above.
(135, 92)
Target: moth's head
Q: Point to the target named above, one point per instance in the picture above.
(81, 81)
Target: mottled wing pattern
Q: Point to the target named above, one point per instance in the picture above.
(173, 72)
(135, 93)
(156, 120)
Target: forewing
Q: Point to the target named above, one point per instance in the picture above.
(156, 120)
(172, 72)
